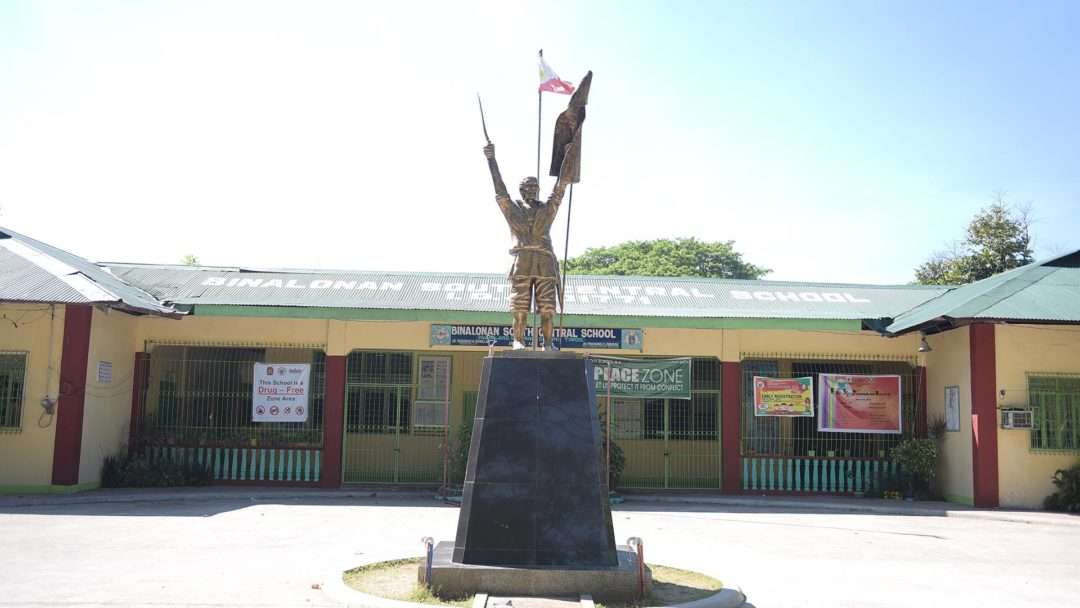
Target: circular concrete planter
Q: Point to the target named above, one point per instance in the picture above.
(335, 587)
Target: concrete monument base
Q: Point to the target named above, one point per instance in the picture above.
(606, 584)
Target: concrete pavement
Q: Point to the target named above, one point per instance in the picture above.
(245, 547)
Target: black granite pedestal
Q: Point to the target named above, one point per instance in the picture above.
(535, 493)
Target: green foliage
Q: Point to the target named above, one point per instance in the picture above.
(190, 260)
(683, 257)
(917, 458)
(618, 457)
(1067, 496)
(998, 239)
(125, 471)
(459, 452)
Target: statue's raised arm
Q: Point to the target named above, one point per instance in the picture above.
(496, 177)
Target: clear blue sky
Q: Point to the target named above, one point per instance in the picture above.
(837, 141)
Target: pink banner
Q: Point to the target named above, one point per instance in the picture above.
(859, 404)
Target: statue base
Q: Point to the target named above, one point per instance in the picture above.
(609, 585)
(535, 493)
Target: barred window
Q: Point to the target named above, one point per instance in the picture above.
(379, 392)
(202, 396)
(12, 389)
(1055, 404)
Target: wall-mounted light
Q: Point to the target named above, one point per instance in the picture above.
(924, 346)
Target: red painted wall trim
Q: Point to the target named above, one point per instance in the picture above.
(67, 444)
(333, 422)
(731, 426)
(984, 415)
(920, 401)
(139, 379)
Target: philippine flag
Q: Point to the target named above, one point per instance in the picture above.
(550, 81)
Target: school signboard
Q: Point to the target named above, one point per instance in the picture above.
(565, 337)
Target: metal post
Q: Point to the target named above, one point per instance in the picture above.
(607, 469)
(566, 252)
(446, 431)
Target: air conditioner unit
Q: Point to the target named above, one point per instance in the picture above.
(1017, 419)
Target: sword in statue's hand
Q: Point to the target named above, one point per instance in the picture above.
(482, 122)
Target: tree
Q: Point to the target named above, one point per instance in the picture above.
(683, 257)
(998, 239)
(190, 260)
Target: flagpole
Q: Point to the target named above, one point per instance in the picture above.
(566, 251)
(539, 119)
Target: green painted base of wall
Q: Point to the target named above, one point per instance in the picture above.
(15, 490)
(961, 500)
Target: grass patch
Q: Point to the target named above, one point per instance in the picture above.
(674, 586)
(396, 580)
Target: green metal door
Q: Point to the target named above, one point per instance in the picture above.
(381, 444)
(671, 443)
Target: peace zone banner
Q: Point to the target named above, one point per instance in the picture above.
(280, 392)
(644, 378)
(859, 404)
(783, 396)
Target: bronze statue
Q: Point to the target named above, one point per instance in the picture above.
(535, 271)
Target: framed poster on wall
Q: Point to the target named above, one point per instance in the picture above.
(432, 393)
(434, 378)
(952, 408)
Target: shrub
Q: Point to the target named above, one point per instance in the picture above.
(618, 457)
(1067, 496)
(125, 471)
(459, 452)
(917, 459)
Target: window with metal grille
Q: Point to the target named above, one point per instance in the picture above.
(202, 396)
(696, 418)
(379, 392)
(798, 436)
(1055, 404)
(12, 388)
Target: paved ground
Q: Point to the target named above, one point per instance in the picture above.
(269, 550)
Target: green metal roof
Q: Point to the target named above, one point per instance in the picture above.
(608, 296)
(1043, 292)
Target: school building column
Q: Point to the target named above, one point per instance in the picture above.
(67, 444)
(731, 426)
(984, 414)
(140, 376)
(333, 422)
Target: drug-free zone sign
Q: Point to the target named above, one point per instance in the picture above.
(280, 392)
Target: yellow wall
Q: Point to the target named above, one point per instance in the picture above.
(949, 364)
(26, 456)
(107, 409)
(1024, 475)
(341, 337)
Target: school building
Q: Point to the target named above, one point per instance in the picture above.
(99, 359)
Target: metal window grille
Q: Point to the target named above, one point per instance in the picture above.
(12, 390)
(1055, 404)
(790, 454)
(379, 392)
(200, 396)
